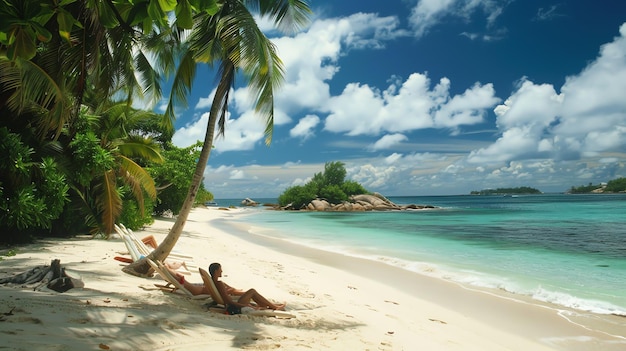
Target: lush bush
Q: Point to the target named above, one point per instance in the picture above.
(173, 178)
(89, 158)
(298, 195)
(32, 192)
(350, 187)
(583, 189)
(330, 185)
(616, 185)
(133, 217)
(333, 194)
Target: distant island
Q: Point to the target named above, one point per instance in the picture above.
(613, 186)
(523, 190)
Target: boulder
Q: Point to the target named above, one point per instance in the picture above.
(357, 203)
(249, 202)
(320, 205)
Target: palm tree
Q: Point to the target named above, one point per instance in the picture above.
(55, 58)
(52, 55)
(232, 39)
(104, 155)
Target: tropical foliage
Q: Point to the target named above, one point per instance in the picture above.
(616, 185)
(507, 191)
(70, 72)
(231, 40)
(174, 178)
(33, 192)
(329, 184)
(612, 186)
(583, 189)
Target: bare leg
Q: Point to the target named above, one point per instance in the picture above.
(175, 265)
(195, 289)
(261, 301)
(150, 241)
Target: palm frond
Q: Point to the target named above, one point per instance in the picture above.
(138, 146)
(219, 107)
(137, 177)
(289, 15)
(150, 79)
(181, 86)
(108, 200)
(249, 49)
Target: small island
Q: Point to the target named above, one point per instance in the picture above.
(329, 191)
(523, 190)
(613, 186)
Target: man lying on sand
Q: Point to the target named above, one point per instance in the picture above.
(226, 291)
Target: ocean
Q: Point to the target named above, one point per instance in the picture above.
(569, 250)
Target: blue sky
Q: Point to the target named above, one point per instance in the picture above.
(432, 97)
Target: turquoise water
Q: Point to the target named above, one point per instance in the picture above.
(565, 249)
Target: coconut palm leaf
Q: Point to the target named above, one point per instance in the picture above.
(108, 200)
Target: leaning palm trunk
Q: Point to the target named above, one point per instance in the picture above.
(141, 267)
(232, 38)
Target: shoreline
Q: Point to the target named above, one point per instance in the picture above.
(341, 302)
(469, 300)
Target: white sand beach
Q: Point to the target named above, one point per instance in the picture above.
(340, 302)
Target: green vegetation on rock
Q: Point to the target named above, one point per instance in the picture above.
(330, 185)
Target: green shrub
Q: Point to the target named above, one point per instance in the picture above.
(330, 185)
(333, 194)
(616, 185)
(350, 187)
(32, 193)
(298, 195)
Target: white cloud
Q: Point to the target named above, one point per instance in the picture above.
(192, 132)
(310, 59)
(205, 103)
(305, 128)
(410, 106)
(537, 122)
(237, 174)
(429, 13)
(546, 14)
(588, 117)
(242, 133)
(388, 141)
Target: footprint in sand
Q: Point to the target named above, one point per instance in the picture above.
(302, 294)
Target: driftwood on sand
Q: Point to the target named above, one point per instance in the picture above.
(53, 277)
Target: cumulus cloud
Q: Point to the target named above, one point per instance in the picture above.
(311, 60)
(542, 131)
(191, 132)
(305, 128)
(388, 141)
(408, 106)
(588, 116)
